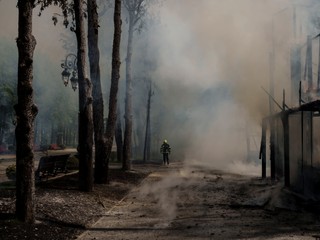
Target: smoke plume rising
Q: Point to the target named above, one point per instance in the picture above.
(213, 58)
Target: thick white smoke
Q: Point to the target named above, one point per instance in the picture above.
(213, 59)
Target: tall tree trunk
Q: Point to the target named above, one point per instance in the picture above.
(94, 56)
(118, 136)
(115, 75)
(52, 136)
(26, 112)
(85, 105)
(147, 139)
(128, 102)
(3, 114)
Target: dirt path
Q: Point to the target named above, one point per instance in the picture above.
(178, 202)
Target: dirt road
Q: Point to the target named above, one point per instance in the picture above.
(179, 202)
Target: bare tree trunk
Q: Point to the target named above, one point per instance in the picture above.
(3, 114)
(26, 112)
(52, 136)
(137, 9)
(85, 105)
(128, 102)
(147, 140)
(94, 56)
(118, 136)
(115, 75)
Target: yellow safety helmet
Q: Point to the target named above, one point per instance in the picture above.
(165, 141)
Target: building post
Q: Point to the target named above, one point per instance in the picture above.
(285, 123)
(263, 155)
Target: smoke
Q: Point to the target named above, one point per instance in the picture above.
(166, 193)
(8, 24)
(163, 192)
(213, 59)
(57, 104)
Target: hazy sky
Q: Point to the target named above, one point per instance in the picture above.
(46, 34)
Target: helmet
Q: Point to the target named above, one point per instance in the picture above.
(165, 141)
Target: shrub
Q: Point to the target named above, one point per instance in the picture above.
(73, 163)
(11, 172)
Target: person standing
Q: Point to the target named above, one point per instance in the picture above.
(165, 151)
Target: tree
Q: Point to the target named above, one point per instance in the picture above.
(100, 171)
(137, 9)
(90, 93)
(85, 136)
(85, 105)
(147, 140)
(115, 76)
(118, 135)
(8, 92)
(8, 99)
(26, 112)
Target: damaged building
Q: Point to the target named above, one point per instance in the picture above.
(294, 148)
(291, 137)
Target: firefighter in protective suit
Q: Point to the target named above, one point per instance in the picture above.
(165, 151)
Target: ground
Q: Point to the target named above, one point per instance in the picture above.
(184, 201)
(165, 202)
(62, 212)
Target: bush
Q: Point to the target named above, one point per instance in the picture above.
(11, 172)
(73, 163)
